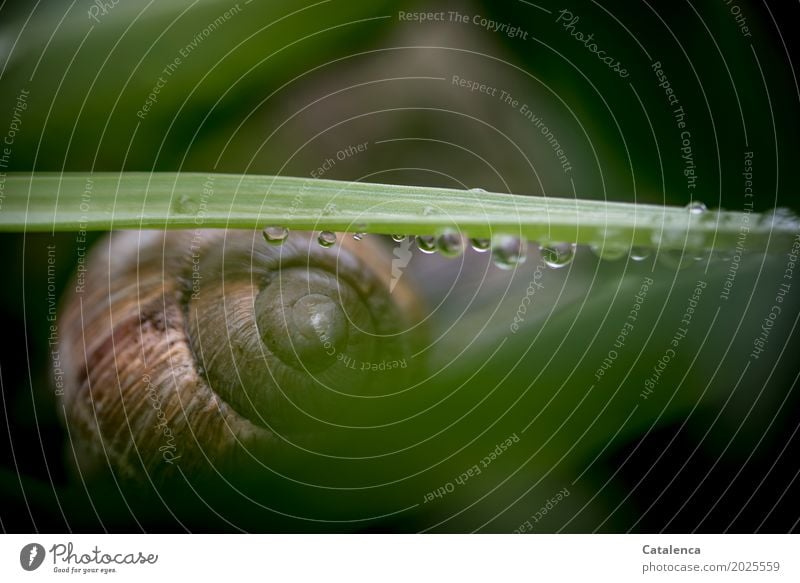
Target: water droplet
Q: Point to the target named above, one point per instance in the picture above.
(451, 244)
(327, 239)
(780, 217)
(556, 255)
(182, 204)
(480, 244)
(508, 251)
(426, 243)
(359, 231)
(477, 190)
(609, 251)
(275, 235)
(398, 238)
(640, 253)
(696, 207)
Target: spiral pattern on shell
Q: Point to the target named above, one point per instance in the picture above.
(212, 348)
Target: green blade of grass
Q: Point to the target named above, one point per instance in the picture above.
(132, 200)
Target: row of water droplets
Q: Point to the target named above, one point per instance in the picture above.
(509, 251)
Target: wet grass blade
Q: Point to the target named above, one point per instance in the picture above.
(131, 200)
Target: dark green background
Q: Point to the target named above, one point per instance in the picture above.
(345, 73)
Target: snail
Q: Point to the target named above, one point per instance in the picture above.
(212, 350)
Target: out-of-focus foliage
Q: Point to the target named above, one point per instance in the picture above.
(283, 88)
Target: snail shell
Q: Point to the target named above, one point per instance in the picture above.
(214, 349)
